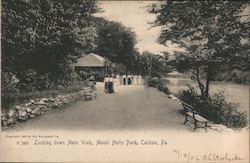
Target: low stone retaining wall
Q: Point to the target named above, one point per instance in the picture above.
(37, 107)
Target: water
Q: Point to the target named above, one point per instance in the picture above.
(235, 93)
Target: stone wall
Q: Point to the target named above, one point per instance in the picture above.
(37, 107)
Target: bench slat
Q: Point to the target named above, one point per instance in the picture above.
(200, 118)
(186, 105)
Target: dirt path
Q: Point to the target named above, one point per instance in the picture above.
(127, 115)
(130, 108)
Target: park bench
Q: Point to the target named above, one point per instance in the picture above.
(89, 93)
(194, 117)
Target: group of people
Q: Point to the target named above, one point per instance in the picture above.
(112, 82)
(131, 79)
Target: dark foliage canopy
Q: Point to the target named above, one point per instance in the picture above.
(41, 38)
(214, 34)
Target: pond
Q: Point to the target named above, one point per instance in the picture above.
(236, 93)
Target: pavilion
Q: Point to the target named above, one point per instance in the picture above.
(91, 64)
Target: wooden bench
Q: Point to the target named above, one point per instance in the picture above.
(89, 93)
(194, 117)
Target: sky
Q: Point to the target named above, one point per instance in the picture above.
(135, 15)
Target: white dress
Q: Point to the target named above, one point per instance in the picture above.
(118, 79)
(135, 81)
(106, 80)
(115, 85)
(139, 79)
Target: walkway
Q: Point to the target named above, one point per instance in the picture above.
(130, 108)
(128, 115)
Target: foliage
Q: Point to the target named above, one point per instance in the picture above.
(163, 86)
(41, 38)
(154, 64)
(212, 34)
(215, 108)
(153, 82)
(159, 83)
(115, 42)
(166, 90)
(8, 83)
(237, 76)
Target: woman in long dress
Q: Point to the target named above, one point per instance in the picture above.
(106, 80)
(135, 81)
(118, 79)
(110, 85)
(129, 80)
(140, 79)
(115, 84)
(124, 79)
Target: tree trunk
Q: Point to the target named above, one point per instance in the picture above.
(208, 82)
(201, 86)
(207, 88)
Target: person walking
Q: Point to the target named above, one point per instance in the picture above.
(118, 79)
(140, 79)
(110, 85)
(135, 80)
(115, 84)
(124, 79)
(129, 80)
(106, 80)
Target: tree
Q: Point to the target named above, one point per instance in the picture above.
(155, 64)
(212, 33)
(115, 42)
(43, 37)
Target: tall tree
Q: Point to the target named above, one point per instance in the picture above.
(42, 37)
(115, 41)
(212, 33)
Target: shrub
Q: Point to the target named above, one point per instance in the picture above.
(227, 113)
(166, 90)
(215, 108)
(153, 82)
(30, 80)
(163, 86)
(160, 84)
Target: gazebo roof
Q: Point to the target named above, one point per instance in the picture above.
(90, 60)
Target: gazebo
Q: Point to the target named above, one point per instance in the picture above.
(92, 64)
